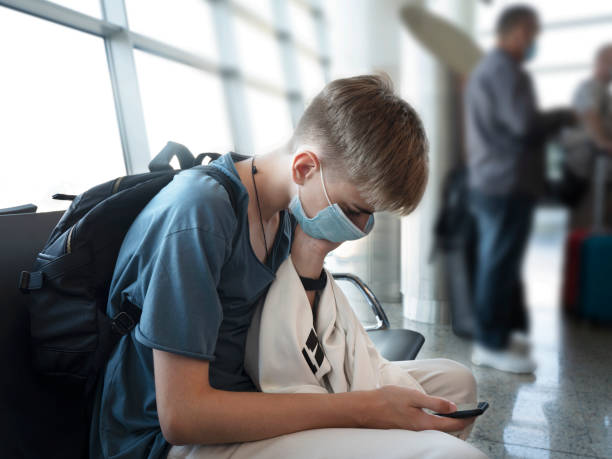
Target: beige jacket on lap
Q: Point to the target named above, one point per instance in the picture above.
(287, 353)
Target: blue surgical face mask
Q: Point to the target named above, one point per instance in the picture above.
(330, 223)
(531, 51)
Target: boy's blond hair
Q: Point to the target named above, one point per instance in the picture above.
(372, 137)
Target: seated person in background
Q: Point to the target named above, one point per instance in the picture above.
(593, 135)
(176, 385)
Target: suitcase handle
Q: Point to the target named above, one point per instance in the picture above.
(600, 175)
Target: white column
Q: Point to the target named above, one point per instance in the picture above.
(365, 39)
(427, 85)
(385, 54)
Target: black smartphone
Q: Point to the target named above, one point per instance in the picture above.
(467, 411)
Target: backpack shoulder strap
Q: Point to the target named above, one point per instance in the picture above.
(225, 182)
(220, 176)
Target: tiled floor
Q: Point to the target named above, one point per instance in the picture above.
(565, 409)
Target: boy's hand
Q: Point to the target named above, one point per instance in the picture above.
(401, 408)
(308, 253)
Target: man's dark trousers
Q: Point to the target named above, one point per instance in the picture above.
(504, 223)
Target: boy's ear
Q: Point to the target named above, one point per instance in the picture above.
(305, 164)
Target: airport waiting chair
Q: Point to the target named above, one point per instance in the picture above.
(25, 209)
(38, 420)
(393, 344)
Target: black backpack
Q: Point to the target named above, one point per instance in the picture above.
(72, 336)
(454, 226)
(456, 238)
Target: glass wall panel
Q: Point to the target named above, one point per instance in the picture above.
(59, 127)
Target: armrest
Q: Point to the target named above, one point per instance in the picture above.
(24, 209)
(382, 321)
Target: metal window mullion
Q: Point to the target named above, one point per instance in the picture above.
(128, 105)
(63, 16)
(172, 53)
(230, 75)
(251, 16)
(288, 60)
(267, 27)
(197, 61)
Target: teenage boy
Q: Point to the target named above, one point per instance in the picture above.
(198, 268)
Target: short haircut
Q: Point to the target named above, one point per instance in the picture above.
(372, 137)
(513, 16)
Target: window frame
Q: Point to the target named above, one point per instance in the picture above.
(120, 43)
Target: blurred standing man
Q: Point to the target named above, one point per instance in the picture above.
(505, 134)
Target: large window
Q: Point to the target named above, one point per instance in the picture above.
(311, 76)
(59, 129)
(301, 23)
(90, 7)
(258, 52)
(91, 89)
(262, 8)
(186, 24)
(182, 104)
(570, 36)
(270, 120)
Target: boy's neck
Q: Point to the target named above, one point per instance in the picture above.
(273, 179)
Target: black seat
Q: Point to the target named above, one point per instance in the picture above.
(393, 344)
(397, 344)
(36, 420)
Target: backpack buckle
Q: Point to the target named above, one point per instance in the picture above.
(30, 281)
(123, 323)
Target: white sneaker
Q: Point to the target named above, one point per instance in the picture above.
(520, 343)
(503, 360)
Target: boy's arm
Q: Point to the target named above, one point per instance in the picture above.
(192, 412)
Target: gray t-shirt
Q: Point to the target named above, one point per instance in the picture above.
(500, 113)
(590, 95)
(187, 262)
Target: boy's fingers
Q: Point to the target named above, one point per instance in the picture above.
(436, 404)
(449, 424)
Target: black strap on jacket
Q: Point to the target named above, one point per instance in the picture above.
(315, 284)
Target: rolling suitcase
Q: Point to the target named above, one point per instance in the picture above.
(595, 288)
(571, 270)
(595, 254)
(587, 274)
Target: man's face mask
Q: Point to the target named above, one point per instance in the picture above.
(330, 223)
(531, 51)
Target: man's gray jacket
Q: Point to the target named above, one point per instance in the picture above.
(504, 155)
